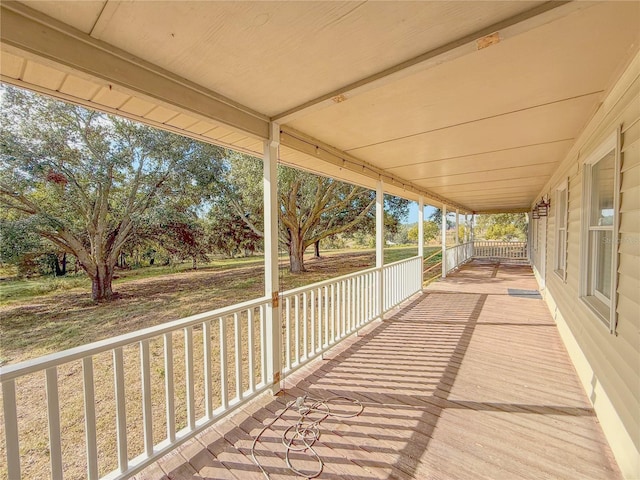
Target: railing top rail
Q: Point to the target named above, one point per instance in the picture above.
(501, 242)
(313, 286)
(451, 247)
(324, 283)
(58, 358)
(404, 260)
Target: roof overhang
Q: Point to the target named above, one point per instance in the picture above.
(472, 105)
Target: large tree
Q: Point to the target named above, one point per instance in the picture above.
(87, 180)
(311, 207)
(430, 229)
(502, 226)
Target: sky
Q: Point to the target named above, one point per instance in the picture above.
(413, 213)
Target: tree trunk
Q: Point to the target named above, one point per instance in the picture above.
(61, 265)
(316, 249)
(296, 255)
(101, 289)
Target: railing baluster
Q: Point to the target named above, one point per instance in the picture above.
(169, 389)
(147, 416)
(208, 375)
(349, 305)
(224, 392)
(326, 315)
(340, 301)
(297, 314)
(263, 347)
(359, 315)
(12, 438)
(354, 304)
(320, 319)
(365, 298)
(89, 418)
(251, 352)
(53, 416)
(188, 366)
(333, 313)
(304, 324)
(313, 322)
(288, 331)
(121, 415)
(238, 350)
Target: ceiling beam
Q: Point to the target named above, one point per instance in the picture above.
(516, 25)
(33, 34)
(507, 210)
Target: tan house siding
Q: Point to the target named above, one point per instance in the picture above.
(608, 365)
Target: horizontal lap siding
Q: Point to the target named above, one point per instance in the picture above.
(612, 362)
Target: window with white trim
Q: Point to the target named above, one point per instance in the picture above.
(600, 230)
(561, 230)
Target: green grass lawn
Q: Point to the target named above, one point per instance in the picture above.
(22, 289)
(57, 313)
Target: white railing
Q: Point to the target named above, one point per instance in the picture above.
(318, 316)
(458, 255)
(227, 347)
(512, 251)
(401, 280)
(219, 358)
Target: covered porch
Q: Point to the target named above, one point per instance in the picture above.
(473, 108)
(482, 388)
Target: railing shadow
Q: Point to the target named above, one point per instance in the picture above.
(403, 370)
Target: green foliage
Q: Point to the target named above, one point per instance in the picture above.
(431, 231)
(311, 207)
(90, 183)
(503, 226)
(436, 217)
(229, 234)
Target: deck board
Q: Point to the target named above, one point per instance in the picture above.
(468, 380)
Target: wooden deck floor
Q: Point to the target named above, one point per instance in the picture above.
(468, 381)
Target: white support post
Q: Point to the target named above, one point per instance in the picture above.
(466, 228)
(421, 227)
(380, 244)
(456, 237)
(471, 232)
(471, 239)
(271, 280)
(421, 240)
(444, 241)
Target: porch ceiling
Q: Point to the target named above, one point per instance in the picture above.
(398, 90)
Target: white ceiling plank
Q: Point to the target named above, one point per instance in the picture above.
(79, 87)
(516, 25)
(552, 123)
(110, 97)
(489, 176)
(43, 75)
(80, 14)
(476, 163)
(277, 56)
(11, 65)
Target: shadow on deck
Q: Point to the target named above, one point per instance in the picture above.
(468, 380)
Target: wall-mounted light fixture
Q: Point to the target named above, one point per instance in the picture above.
(534, 213)
(541, 209)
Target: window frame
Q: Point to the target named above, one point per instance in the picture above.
(561, 248)
(604, 309)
